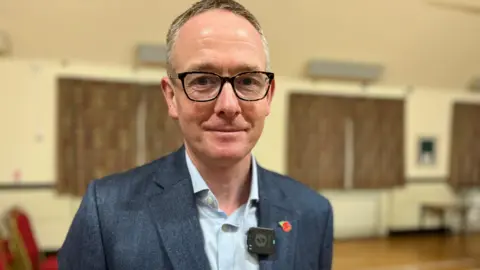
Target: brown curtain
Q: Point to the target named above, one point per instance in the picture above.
(343, 142)
(162, 133)
(316, 140)
(465, 146)
(378, 143)
(96, 131)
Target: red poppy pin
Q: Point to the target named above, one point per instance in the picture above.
(286, 226)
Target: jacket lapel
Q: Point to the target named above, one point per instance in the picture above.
(272, 210)
(175, 215)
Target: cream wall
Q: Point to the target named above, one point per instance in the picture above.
(27, 142)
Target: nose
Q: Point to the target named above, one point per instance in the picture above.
(227, 102)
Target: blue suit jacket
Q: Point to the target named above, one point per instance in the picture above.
(146, 219)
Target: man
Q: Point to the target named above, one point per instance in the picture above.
(194, 208)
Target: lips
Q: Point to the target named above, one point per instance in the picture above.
(226, 130)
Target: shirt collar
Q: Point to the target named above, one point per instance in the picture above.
(200, 185)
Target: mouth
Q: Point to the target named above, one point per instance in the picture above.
(226, 130)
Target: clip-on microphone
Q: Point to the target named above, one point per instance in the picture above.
(261, 241)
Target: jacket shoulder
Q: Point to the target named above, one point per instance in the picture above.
(304, 197)
(127, 185)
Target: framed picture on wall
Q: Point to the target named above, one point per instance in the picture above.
(427, 151)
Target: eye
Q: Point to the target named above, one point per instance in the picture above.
(247, 81)
(251, 80)
(201, 81)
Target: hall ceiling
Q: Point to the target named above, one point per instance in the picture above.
(420, 42)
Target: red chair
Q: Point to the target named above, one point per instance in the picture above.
(6, 258)
(26, 255)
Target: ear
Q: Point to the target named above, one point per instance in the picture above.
(270, 94)
(169, 94)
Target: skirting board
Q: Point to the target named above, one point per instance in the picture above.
(420, 232)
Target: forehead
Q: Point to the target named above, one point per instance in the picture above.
(218, 41)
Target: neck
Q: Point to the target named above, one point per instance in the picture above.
(230, 184)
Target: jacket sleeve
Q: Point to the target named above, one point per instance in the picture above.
(326, 255)
(83, 247)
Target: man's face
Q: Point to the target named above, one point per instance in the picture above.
(227, 128)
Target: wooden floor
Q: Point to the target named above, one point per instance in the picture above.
(409, 253)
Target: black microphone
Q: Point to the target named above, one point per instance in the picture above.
(261, 241)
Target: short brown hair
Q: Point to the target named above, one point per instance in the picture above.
(204, 6)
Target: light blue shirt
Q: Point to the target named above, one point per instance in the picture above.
(226, 236)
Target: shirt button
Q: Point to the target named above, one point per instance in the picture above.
(225, 228)
(210, 201)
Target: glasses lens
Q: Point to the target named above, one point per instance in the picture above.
(251, 85)
(202, 86)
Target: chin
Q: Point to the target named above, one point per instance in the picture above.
(227, 150)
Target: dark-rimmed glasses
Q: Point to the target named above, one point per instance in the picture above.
(206, 86)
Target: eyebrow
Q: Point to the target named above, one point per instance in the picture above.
(209, 67)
